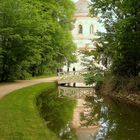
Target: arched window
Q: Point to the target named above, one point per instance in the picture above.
(80, 29)
(91, 29)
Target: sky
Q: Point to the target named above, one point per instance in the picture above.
(74, 0)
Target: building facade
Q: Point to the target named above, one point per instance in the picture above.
(84, 32)
(85, 27)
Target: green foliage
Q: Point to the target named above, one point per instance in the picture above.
(121, 40)
(34, 37)
(92, 77)
(95, 72)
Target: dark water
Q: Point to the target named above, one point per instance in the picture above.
(57, 112)
(117, 121)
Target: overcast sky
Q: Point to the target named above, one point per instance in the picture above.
(74, 0)
(77, 0)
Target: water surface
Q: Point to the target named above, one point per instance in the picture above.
(117, 121)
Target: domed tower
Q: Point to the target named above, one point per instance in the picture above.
(84, 32)
(85, 26)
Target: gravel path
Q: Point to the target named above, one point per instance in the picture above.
(7, 88)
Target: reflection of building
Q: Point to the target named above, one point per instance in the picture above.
(84, 31)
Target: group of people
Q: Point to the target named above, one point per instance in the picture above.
(61, 70)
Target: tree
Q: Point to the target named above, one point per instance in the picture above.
(120, 42)
(33, 37)
(56, 39)
(18, 33)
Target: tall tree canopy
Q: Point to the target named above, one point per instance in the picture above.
(34, 37)
(121, 41)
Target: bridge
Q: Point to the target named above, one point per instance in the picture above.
(71, 77)
(75, 86)
(75, 92)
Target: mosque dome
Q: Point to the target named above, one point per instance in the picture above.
(82, 8)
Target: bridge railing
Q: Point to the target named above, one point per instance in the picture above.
(72, 76)
(72, 73)
(75, 92)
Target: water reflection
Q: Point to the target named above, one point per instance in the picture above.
(67, 133)
(117, 121)
(84, 131)
(75, 92)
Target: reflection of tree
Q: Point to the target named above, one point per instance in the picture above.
(117, 121)
(93, 114)
(99, 114)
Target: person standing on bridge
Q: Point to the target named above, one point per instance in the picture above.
(74, 84)
(74, 70)
(68, 69)
(57, 71)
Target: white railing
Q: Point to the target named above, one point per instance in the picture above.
(75, 92)
(71, 77)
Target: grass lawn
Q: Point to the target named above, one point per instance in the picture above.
(43, 76)
(19, 116)
(31, 78)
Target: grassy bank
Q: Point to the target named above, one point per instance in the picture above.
(124, 89)
(29, 78)
(57, 112)
(43, 76)
(19, 117)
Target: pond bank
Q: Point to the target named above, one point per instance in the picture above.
(133, 99)
(123, 96)
(126, 90)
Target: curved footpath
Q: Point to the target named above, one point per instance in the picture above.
(82, 133)
(9, 87)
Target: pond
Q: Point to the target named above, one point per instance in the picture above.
(117, 121)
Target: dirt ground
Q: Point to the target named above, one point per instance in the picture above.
(9, 87)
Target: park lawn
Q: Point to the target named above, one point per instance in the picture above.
(30, 78)
(43, 76)
(19, 116)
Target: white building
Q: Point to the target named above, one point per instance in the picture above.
(84, 32)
